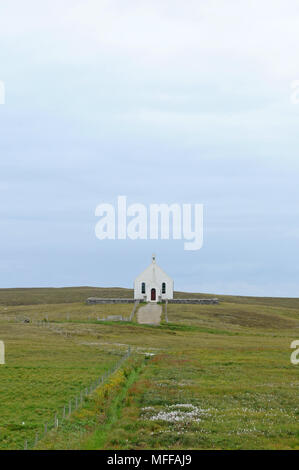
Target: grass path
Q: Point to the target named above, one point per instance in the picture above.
(101, 434)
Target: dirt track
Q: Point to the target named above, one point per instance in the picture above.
(149, 314)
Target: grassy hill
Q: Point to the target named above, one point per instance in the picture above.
(214, 377)
(38, 296)
(59, 295)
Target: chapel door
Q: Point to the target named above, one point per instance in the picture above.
(153, 294)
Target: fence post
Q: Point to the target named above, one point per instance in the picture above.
(100, 380)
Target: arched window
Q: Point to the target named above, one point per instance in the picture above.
(143, 288)
(163, 288)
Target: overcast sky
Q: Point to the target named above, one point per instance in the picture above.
(162, 101)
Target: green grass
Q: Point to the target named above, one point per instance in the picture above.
(230, 362)
(102, 433)
(89, 426)
(44, 371)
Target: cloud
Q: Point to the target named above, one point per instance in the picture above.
(163, 101)
(167, 34)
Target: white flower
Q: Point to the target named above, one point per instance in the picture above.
(181, 412)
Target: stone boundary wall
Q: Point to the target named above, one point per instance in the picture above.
(95, 300)
(193, 301)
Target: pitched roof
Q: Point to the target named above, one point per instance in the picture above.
(152, 270)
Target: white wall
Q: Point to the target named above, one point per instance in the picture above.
(153, 277)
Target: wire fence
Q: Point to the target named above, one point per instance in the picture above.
(54, 327)
(136, 303)
(52, 324)
(72, 405)
(46, 324)
(165, 310)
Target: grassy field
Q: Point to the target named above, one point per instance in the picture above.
(214, 377)
(58, 295)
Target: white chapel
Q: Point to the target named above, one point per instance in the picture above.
(153, 284)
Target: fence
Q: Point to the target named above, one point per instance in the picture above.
(136, 303)
(165, 310)
(73, 404)
(52, 327)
